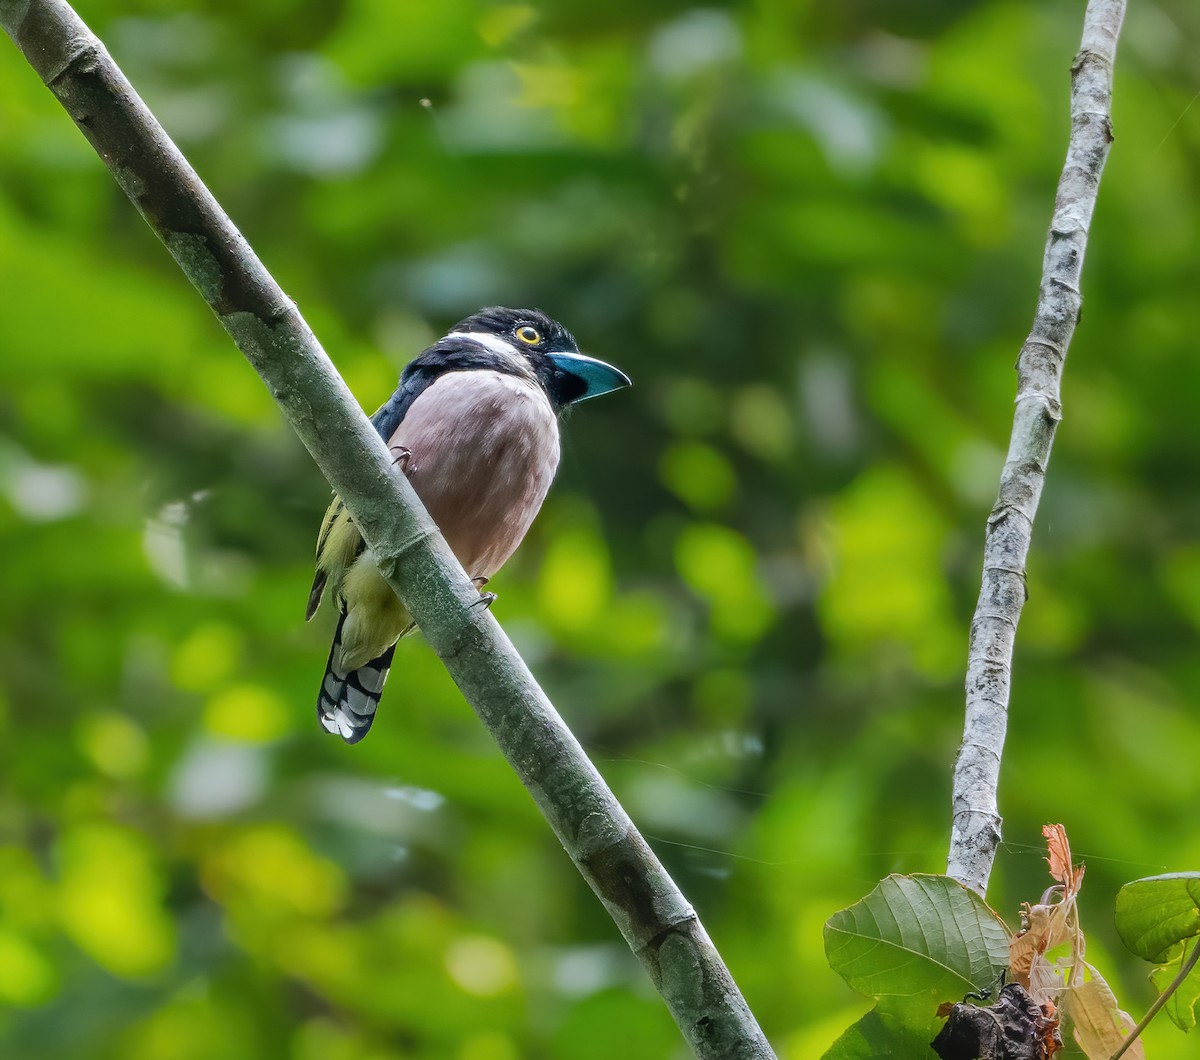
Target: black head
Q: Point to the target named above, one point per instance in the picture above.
(520, 342)
(522, 329)
(540, 345)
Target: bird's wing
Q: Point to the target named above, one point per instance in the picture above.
(333, 514)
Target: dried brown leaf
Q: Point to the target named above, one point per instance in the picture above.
(1049, 1030)
(1059, 858)
(1100, 1025)
(1045, 980)
(1043, 927)
(1014, 1027)
(1059, 848)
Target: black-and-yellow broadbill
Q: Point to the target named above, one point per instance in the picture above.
(474, 425)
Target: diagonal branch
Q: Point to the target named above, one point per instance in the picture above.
(975, 831)
(658, 923)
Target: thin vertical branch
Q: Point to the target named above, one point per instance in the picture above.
(660, 926)
(975, 830)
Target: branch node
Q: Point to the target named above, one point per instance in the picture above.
(1003, 510)
(1054, 347)
(991, 752)
(79, 55)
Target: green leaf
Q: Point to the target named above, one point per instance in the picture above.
(1155, 918)
(1180, 1006)
(1156, 914)
(912, 943)
(875, 1035)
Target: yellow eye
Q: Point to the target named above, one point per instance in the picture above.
(529, 336)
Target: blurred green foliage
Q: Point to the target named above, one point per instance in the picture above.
(811, 233)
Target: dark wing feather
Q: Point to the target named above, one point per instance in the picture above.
(315, 593)
(418, 374)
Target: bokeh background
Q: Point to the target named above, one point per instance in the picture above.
(812, 233)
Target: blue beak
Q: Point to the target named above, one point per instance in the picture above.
(596, 376)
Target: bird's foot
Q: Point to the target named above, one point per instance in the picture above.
(403, 458)
(486, 599)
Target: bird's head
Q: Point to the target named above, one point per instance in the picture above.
(539, 346)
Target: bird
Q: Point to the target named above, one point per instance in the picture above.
(473, 424)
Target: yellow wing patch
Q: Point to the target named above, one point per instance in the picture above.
(338, 544)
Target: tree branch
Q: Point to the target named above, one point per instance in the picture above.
(660, 926)
(975, 830)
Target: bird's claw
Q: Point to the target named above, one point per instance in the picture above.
(486, 599)
(402, 458)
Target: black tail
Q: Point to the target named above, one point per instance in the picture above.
(346, 703)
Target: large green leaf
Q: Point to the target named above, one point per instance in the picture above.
(1155, 918)
(1156, 914)
(912, 943)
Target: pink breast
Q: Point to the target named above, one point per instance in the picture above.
(484, 450)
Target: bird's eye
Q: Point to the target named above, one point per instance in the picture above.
(529, 336)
